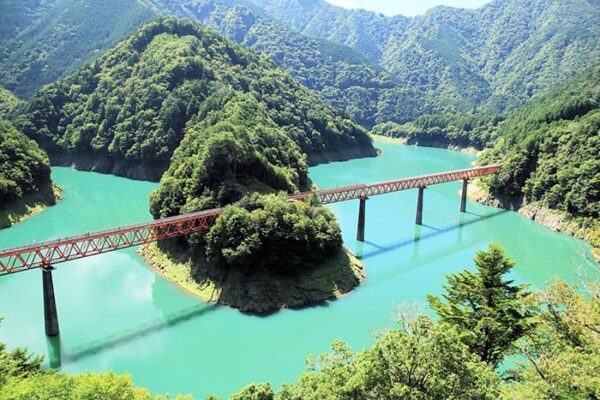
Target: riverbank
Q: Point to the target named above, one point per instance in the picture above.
(30, 205)
(586, 229)
(257, 293)
(467, 150)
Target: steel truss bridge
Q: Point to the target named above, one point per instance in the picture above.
(46, 254)
(52, 252)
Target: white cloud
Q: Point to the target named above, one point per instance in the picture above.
(343, 3)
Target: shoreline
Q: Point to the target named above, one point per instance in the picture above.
(30, 206)
(468, 150)
(263, 295)
(556, 221)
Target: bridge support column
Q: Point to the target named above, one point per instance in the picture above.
(50, 313)
(360, 232)
(463, 196)
(419, 219)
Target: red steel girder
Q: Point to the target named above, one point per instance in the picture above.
(60, 250)
(56, 251)
(367, 190)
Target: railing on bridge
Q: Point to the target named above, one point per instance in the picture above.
(360, 191)
(46, 254)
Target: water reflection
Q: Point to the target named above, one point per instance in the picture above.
(54, 351)
(420, 237)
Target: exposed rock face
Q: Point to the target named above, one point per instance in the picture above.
(542, 215)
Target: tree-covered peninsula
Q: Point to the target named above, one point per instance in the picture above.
(218, 123)
(264, 252)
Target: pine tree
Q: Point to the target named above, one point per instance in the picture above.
(485, 307)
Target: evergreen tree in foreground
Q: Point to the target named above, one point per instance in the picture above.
(485, 307)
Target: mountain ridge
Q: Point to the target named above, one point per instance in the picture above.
(128, 111)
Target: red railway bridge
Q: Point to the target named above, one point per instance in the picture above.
(45, 255)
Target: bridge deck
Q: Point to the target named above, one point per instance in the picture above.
(44, 254)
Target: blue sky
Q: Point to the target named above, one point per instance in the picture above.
(405, 7)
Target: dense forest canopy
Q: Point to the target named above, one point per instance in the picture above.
(129, 110)
(8, 101)
(41, 41)
(376, 68)
(235, 149)
(550, 148)
(24, 167)
(272, 234)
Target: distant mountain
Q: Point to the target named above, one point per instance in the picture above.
(128, 111)
(376, 68)
(42, 40)
(496, 56)
(369, 32)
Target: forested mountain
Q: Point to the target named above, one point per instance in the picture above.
(338, 73)
(376, 68)
(25, 185)
(42, 40)
(128, 111)
(496, 56)
(8, 101)
(550, 147)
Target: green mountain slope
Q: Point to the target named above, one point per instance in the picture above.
(338, 73)
(448, 60)
(376, 68)
(128, 111)
(496, 56)
(8, 101)
(40, 41)
(550, 148)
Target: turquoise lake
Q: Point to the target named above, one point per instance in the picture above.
(116, 314)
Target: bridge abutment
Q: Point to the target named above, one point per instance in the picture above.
(463, 196)
(50, 313)
(360, 232)
(419, 218)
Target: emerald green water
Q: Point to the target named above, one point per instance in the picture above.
(116, 314)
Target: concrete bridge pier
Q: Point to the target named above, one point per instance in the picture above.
(419, 219)
(50, 313)
(463, 196)
(360, 232)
